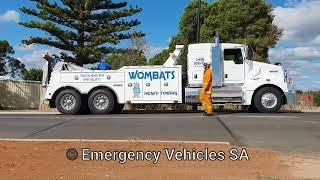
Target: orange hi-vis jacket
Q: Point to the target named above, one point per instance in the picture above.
(207, 82)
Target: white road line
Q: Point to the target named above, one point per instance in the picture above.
(29, 113)
(115, 141)
(105, 117)
(33, 117)
(291, 118)
(260, 116)
(313, 122)
(50, 118)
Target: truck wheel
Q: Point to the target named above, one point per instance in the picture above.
(68, 102)
(101, 102)
(117, 109)
(268, 100)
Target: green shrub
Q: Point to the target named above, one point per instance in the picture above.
(317, 98)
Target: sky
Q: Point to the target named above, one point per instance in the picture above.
(298, 48)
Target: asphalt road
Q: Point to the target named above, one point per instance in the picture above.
(295, 133)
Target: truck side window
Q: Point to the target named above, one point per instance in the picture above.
(234, 55)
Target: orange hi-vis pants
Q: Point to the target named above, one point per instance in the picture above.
(206, 102)
(205, 96)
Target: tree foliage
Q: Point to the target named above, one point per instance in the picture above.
(160, 58)
(245, 22)
(9, 65)
(5, 50)
(88, 29)
(134, 56)
(32, 75)
(189, 20)
(317, 98)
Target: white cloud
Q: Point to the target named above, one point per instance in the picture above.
(23, 47)
(297, 53)
(292, 2)
(300, 21)
(152, 51)
(299, 47)
(33, 57)
(312, 68)
(295, 73)
(10, 16)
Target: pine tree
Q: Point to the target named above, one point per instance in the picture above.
(89, 29)
(5, 51)
(8, 64)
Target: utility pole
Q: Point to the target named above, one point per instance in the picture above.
(199, 21)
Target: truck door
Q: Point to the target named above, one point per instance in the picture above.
(233, 65)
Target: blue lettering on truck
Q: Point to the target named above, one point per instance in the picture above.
(152, 75)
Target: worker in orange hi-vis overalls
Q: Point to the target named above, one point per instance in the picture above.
(206, 92)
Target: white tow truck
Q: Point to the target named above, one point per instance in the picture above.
(237, 81)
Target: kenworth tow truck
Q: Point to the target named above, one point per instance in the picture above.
(237, 81)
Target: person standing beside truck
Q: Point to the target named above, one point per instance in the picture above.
(205, 95)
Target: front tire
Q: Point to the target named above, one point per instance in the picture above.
(101, 102)
(68, 102)
(268, 100)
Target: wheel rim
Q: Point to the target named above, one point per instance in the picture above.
(101, 102)
(68, 101)
(269, 100)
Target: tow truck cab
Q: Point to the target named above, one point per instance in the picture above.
(237, 79)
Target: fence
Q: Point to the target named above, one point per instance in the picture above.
(20, 94)
(306, 99)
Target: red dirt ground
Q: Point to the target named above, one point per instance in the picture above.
(47, 160)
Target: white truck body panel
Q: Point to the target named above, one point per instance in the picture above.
(143, 84)
(200, 53)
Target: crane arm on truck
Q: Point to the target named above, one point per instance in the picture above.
(174, 57)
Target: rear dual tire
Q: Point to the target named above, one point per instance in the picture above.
(68, 102)
(101, 101)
